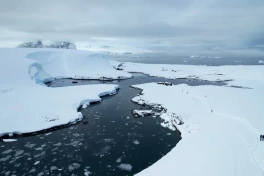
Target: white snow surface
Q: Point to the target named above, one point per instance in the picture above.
(225, 141)
(27, 105)
(210, 73)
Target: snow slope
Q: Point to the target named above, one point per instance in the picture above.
(27, 107)
(222, 125)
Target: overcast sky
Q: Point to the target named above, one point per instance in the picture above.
(154, 24)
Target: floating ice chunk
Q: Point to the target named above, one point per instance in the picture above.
(32, 170)
(7, 151)
(52, 168)
(39, 148)
(136, 142)
(58, 144)
(87, 173)
(118, 160)
(125, 167)
(9, 140)
(28, 145)
(37, 162)
(142, 113)
(5, 159)
(39, 155)
(73, 166)
(19, 152)
(41, 173)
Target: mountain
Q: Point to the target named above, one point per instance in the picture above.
(34, 44)
(63, 45)
(38, 44)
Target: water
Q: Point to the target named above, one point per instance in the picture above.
(186, 60)
(108, 136)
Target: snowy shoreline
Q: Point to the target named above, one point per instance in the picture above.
(60, 126)
(23, 73)
(221, 124)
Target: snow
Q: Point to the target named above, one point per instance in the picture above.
(210, 73)
(261, 62)
(9, 140)
(224, 141)
(125, 167)
(24, 99)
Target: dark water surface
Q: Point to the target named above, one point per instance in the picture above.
(108, 136)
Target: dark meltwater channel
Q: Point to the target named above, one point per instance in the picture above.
(109, 141)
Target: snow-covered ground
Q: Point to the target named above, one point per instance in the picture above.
(210, 73)
(222, 125)
(27, 105)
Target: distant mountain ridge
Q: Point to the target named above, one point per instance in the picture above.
(39, 44)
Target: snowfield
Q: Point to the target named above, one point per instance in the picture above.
(221, 124)
(27, 105)
(209, 73)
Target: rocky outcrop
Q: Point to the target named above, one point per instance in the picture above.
(39, 44)
(33, 44)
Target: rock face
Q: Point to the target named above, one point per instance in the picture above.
(34, 44)
(38, 44)
(63, 45)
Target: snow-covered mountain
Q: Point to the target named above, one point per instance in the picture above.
(33, 44)
(39, 44)
(63, 45)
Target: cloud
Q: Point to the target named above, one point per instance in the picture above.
(152, 23)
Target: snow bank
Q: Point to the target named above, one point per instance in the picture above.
(210, 73)
(28, 107)
(221, 130)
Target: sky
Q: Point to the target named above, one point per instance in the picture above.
(154, 25)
